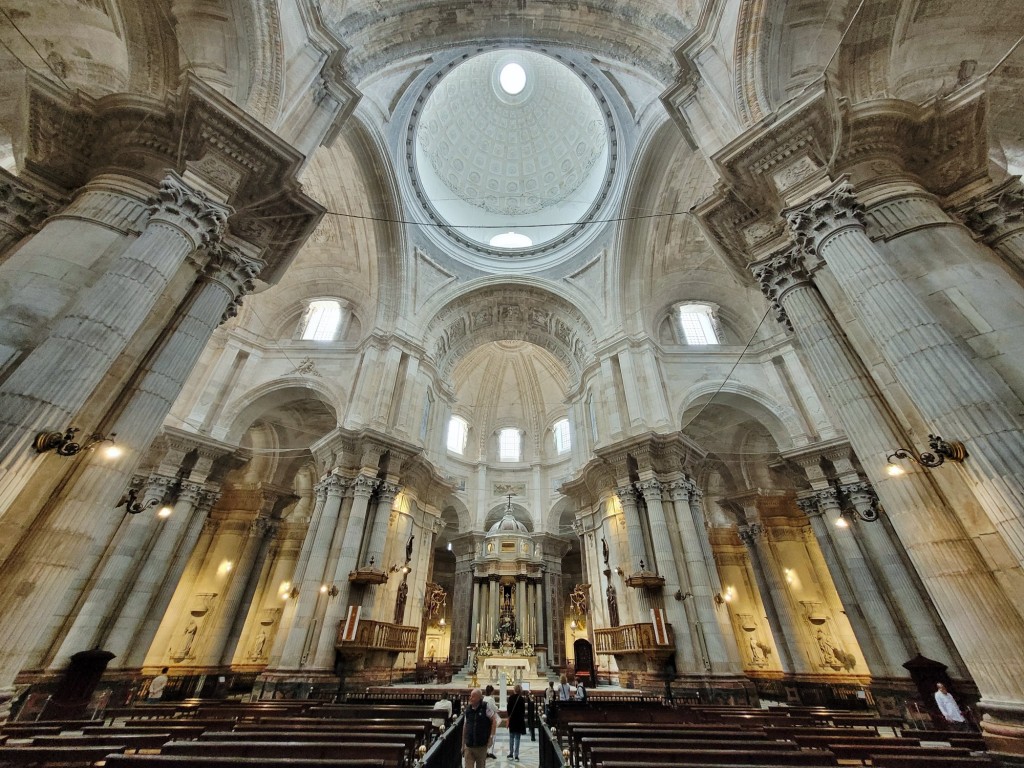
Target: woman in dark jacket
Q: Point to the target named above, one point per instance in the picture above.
(516, 720)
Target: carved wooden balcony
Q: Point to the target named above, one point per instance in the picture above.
(632, 639)
(378, 636)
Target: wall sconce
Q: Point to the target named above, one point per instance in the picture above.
(680, 595)
(132, 505)
(63, 443)
(331, 591)
(941, 450)
(618, 569)
(288, 592)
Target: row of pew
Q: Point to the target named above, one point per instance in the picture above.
(257, 735)
(733, 737)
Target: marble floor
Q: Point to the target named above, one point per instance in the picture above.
(529, 754)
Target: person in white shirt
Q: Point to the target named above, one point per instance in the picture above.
(949, 708)
(564, 690)
(443, 704)
(157, 685)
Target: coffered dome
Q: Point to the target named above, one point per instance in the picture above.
(511, 150)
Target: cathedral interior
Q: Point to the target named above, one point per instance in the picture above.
(660, 343)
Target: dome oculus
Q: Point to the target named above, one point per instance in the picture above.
(512, 78)
(510, 141)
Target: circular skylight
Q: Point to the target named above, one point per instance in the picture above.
(510, 151)
(511, 240)
(512, 78)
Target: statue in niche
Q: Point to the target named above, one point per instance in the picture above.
(828, 654)
(400, 598)
(613, 606)
(188, 638)
(757, 656)
(408, 549)
(259, 646)
(604, 549)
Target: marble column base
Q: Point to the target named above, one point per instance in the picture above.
(1002, 725)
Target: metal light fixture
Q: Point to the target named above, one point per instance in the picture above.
(941, 451)
(331, 590)
(64, 443)
(130, 501)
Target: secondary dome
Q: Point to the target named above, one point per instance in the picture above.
(508, 524)
(511, 141)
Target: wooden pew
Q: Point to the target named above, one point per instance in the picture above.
(706, 757)
(31, 754)
(925, 761)
(171, 731)
(193, 761)
(120, 741)
(588, 745)
(387, 754)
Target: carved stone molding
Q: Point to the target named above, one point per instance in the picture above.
(825, 216)
(997, 213)
(750, 533)
(779, 274)
(22, 208)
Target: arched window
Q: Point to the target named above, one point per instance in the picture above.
(698, 324)
(510, 445)
(322, 321)
(561, 432)
(458, 433)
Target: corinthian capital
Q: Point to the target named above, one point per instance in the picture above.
(21, 208)
(626, 493)
(778, 275)
(363, 485)
(651, 489)
(997, 213)
(830, 212)
(750, 533)
(191, 210)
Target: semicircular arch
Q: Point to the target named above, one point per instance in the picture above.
(283, 391)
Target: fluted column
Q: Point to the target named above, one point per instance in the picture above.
(773, 590)
(877, 633)
(216, 640)
(83, 524)
(118, 572)
(474, 622)
(998, 218)
(137, 629)
(634, 528)
(921, 626)
(362, 488)
(492, 608)
(521, 610)
(43, 392)
(949, 390)
(538, 606)
(375, 547)
(699, 574)
(983, 622)
(667, 567)
(313, 576)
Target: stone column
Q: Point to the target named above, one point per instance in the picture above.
(521, 610)
(698, 571)
(876, 631)
(299, 574)
(461, 630)
(492, 608)
(313, 576)
(944, 384)
(362, 489)
(118, 573)
(556, 625)
(83, 525)
(137, 630)
(538, 605)
(982, 621)
(22, 210)
(997, 217)
(42, 393)
(775, 596)
(634, 528)
(667, 567)
(215, 642)
(376, 549)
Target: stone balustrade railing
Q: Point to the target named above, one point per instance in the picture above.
(629, 638)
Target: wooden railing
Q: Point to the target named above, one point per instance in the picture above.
(630, 638)
(380, 636)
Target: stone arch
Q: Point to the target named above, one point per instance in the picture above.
(454, 508)
(780, 421)
(286, 390)
(510, 312)
(497, 511)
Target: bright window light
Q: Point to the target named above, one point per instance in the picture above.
(561, 430)
(698, 326)
(458, 432)
(511, 240)
(322, 321)
(510, 445)
(512, 78)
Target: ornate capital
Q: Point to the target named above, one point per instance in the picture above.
(829, 213)
(996, 213)
(333, 485)
(363, 485)
(809, 506)
(750, 533)
(651, 489)
(227, 265)
(679, 490)
(626, 494)
(828, 499)
(778, 275)
(387, 492)
(190, 210)
(21, 208)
